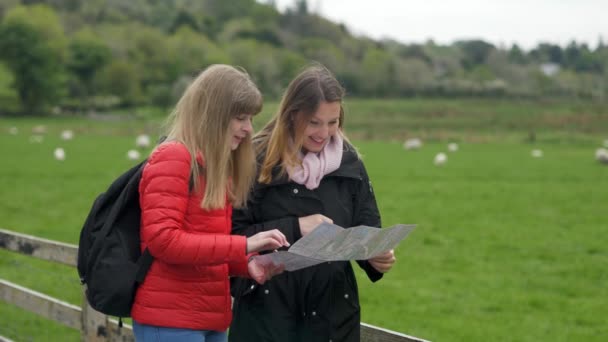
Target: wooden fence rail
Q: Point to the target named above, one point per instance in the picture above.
(93, 325)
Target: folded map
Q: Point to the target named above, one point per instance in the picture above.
(329, 242)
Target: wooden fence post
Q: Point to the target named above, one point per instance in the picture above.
(94, 323)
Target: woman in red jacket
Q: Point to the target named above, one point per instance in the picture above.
(187, 191)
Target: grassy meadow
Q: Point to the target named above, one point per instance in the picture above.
(508, 247)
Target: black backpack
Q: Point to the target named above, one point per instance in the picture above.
(110, 261)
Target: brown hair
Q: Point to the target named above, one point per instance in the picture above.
(282, 137)
(201, 121)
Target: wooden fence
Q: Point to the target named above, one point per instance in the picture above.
(93, 325)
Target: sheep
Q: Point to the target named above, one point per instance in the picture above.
(36, 139)
(452, 147)
(133, 155)
(601, 155)
(440, 159)
(142, 141)
(39, 129)
(537, 153)
(67, 134)
(13, 130)
(59, 154)
(412, 144)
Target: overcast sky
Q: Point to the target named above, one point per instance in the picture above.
(525, 22)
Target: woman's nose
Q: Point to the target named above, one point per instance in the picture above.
(248, 127)
(323, 132)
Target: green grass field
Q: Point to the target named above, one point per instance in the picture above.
(507, 248)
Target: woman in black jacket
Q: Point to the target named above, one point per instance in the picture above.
(309, 173)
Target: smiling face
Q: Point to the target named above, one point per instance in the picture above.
(323, 124)
(240, 128)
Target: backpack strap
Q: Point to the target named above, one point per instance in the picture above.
(145, 260)
(133, 182)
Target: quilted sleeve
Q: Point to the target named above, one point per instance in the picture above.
(164, 194)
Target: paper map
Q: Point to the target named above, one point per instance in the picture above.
(329, 242)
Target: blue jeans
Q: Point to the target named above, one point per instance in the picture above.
(151, 333)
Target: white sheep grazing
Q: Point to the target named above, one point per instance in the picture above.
(36, 139)
(13, 130)
(452, 147)
(142, 141)
(39, 129)
(59, 154)
(67, 134)
(601, 155)
(133, 155)
(440, 159)
(537, 153)
(412, 144)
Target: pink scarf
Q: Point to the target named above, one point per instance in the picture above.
(316, 165)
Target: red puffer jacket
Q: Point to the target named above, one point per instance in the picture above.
(187, 285)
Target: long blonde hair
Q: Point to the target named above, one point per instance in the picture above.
(201, 121)
(282, 137)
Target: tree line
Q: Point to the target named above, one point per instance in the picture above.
(105, 54)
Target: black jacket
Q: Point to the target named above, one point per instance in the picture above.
(318, 303)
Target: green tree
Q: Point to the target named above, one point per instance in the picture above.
(259, 60)
(290, 63)
(9, 101)
(445, 60)
(184, 18)
(323, 51)
(121, 79)
(517, 55)
(516, 76)
(115, 11)
(545, 52)
(87, 55)
(5, 5)
(414, 51)
(475, 52)
(376, 73)
(309, 25)
(225, 10)
(147, 49)
(32, 45)
(191, 52)
(412, 76)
